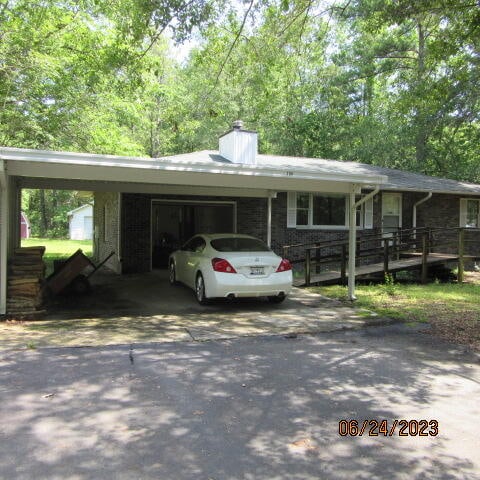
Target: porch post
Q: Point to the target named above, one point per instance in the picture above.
(352, 243)
(4, 227)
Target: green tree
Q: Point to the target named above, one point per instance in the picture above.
(71, 70)
(424, 55)
(47, 210)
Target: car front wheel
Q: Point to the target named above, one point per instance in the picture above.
(200, 290)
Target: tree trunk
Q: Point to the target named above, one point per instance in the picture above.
(420, 117)
(43, 215)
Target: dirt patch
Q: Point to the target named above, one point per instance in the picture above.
(472, 277)
(463, 327)
(463, 330)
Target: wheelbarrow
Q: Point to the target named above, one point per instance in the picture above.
(68, 274)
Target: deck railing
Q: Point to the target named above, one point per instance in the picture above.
(377, 247)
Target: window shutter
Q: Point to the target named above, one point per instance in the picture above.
(463, 212)
(368, 219)
(291, 209)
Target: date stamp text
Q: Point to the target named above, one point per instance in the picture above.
(375, 428)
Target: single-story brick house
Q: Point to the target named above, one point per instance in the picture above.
(147, 225)
(144, 207)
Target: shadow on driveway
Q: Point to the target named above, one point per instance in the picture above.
(140, 308)
(256, 408)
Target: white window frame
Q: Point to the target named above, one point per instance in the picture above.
(400, 206)
(464, 210)
(312, 226)
(292, 213)
(364, 222)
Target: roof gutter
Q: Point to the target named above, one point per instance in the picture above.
(423, 190)
(415, 205)
(367, 197)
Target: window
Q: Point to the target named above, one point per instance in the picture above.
(329, 210)
(196, 244)
(239, 244)
(391, 212)
(364, 216)
(303, 208)
(469, 213)
(312, 210)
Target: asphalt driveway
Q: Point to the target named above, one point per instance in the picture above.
(129, 309)
(248, 408)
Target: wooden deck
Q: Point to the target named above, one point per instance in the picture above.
(415, 261)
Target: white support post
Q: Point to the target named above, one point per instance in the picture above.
(352, 235)
(119, 234)
(4, 228)
(16, 208)
(352, 243)
(269, 221)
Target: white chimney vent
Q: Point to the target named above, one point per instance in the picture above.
(238, 145)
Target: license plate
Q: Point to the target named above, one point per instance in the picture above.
(257, 271)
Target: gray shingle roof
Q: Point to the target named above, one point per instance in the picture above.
(397, 179)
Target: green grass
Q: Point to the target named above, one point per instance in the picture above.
(413, 302)
(58, 249)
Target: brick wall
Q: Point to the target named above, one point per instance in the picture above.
(106, 228)
(444, 211)
(440, 210)
(252, 217)
(136, 224)
(136, 233)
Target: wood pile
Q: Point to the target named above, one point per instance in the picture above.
(25, 280)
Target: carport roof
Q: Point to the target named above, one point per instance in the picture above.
(273, 166)
(40, 163)
(396, 179)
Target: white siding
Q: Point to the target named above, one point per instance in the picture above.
(291, 209)
(79, 224)
(239, 146)
(368, 206)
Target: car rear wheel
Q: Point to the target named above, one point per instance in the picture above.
(200, 290)
(172, 275)
(277, 298)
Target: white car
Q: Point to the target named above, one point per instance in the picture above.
(230, 265)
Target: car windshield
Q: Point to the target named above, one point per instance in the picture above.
(239, 244)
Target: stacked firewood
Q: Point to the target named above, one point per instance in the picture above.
(25, 280)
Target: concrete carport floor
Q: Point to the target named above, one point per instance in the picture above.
(125, 309)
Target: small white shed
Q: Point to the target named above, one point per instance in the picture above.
(80, 222)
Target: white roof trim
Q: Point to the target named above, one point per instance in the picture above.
(162, 164)
(81, 207)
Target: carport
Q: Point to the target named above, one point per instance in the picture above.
(138, 308)
(177, 175)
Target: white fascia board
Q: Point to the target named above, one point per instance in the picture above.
(127, 187)
(190, 177)
(54, 159)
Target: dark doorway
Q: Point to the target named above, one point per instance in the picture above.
(174, 223)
